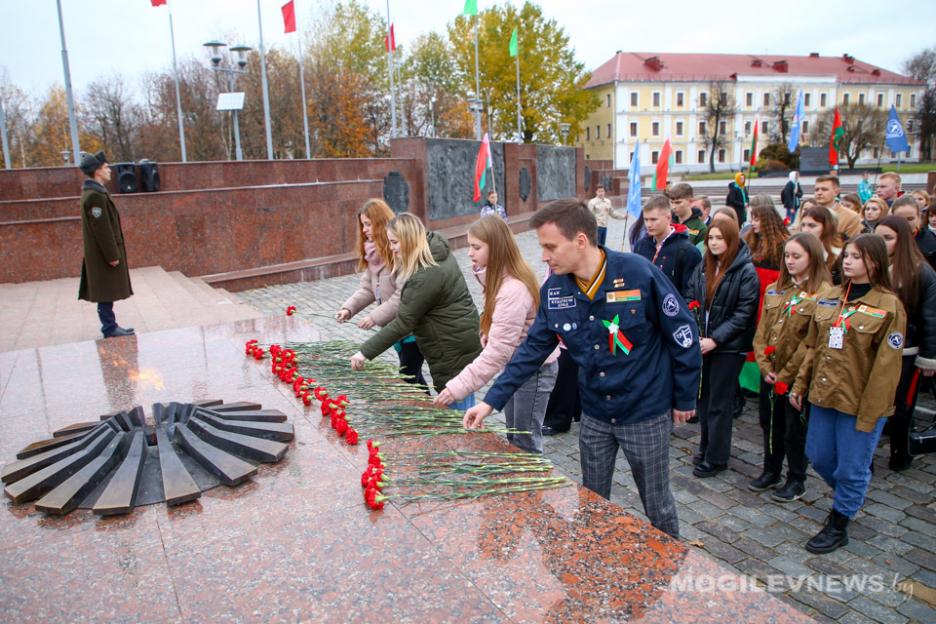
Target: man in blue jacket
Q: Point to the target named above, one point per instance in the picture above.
(667, 245)
(637, 350)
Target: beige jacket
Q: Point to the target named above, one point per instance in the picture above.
(784, 324)
(382, 288)
(602, 209)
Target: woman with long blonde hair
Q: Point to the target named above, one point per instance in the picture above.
(379, 285)
(435, 305)
(511, 298)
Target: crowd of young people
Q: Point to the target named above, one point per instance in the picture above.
(835, 305)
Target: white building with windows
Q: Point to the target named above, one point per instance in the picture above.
(651, 97)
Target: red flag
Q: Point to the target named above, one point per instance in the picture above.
(482, 162)
(289, 17)
(753, 162)
(390, 41)
(157, 3)
(835, 140)
(662, 167)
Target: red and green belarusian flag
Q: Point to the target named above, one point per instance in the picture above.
(835, 140)
(753, 162)
(482, 162)
(661, 173)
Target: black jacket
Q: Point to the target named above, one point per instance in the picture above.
(790, 195)
(926, 241)
(677, 259)
(732, 317)
(735, 199)
(921, 321)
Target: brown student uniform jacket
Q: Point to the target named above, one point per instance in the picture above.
(786, 316)
(860, 378)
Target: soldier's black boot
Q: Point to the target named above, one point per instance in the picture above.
(832, 536)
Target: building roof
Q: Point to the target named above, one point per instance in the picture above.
(662, 66)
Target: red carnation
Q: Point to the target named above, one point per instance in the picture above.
(351, 437)
(258, 354)
(786, 221)
(290, 310)
(768, 351)
(694, 305)
(781, 388)
(342, 427)
(306, 399)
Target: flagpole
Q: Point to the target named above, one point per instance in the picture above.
(519, 125)
(393, 120)
(7, 163)
(477, 80)
(178, 96)
(69, 98)
(305, 106)
(266, 88)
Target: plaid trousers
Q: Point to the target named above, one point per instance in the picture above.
(646, 447)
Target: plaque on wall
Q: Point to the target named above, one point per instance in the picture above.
(525, 184)
(396, 192)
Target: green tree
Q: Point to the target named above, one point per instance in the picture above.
(922, 66)
(551, 80)
(431, 82)
(18, 109)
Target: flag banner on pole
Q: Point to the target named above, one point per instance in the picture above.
(796, 127)
(753, 161)
(662, 168)
(633, 185)
(390, 41)
(894, 136)
(482, 162)
(471, 7)
(835, 139)
(289, 17)
(513, 43)
(157, 3)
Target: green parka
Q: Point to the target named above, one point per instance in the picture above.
(436, 307)
(103, 243)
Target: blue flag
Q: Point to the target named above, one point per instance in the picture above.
(894, 136)
(795, 128)
(633, 187)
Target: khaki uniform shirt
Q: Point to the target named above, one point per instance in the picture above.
(860, 378)
(602, 209)
(785, 319)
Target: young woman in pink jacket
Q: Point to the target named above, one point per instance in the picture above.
(511, 298)
(378, 285)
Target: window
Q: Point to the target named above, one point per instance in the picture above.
(631, 157)
(703, 100)
(805, 127)
(633, 128)
(845, 98)
(722, 127)
(633, 98)
(898, 100)
(701, 156)
(786, 97)
(655, 128)
(861, 98)
(909, 126)
(654, 157)
(723, 98)
(609, 131)
(806, 99)
(766, 100)
(763, 127)
(747, 128)
(609, 100)
(880, 100)
(702, 128)
(875, 153)
(913, 100)
(678, 157)
(597, 132)
(588, 134)
(822, 100)
(747, 154)
(656, 99)
(680, 99)
(721, 155)
(679, 128)
(749, 100)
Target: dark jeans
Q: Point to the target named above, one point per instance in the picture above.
(784, 434)
(411, 361)
(105, 312)
(716, 403)
(602, 234)
(564, 404)
(898, 426)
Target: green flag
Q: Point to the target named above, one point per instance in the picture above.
(513, 43)
(471, 7)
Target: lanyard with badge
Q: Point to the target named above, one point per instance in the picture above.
(842, 324)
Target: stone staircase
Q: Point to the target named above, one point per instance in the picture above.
(44, 313)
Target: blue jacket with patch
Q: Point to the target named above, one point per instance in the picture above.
(660, 373)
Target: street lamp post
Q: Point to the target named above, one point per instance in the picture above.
(564, 128)
(240, 51)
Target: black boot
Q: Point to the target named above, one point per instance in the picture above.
(833, 535)
(766, 481)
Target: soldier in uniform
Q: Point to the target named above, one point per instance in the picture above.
(105, 276)
(636, 346)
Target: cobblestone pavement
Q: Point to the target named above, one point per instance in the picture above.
(894, 536)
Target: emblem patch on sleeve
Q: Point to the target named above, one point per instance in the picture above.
(683, 336)
(96, 212)
(895, 340)
(670, 305)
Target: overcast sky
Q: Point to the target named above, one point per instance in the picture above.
(130, 37)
